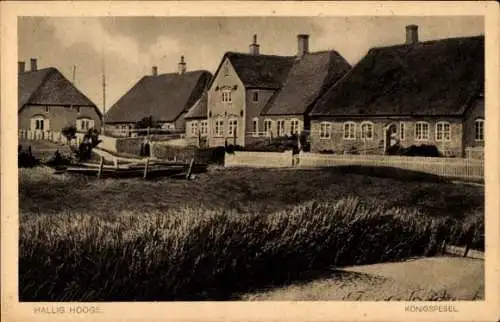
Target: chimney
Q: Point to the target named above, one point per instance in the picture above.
(303, 45)
(21, 66)
(254, 47)
(182, 66)
(33, 64)
(154, 71)
(411, 34)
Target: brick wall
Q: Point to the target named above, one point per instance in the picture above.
(338, 144)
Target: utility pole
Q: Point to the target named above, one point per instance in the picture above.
(103, 93)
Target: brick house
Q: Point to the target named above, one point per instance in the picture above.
(164, 97)
(48, 102)
(411, 94)
(253, 96)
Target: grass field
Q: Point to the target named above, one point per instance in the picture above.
(227, 231)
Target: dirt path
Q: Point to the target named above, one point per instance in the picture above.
(420, 279)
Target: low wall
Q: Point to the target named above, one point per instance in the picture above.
(259, 159)
(165, 151)
(107, 143)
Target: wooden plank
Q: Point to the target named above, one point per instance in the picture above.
(188, 174)
(100, 167)
(146, 165)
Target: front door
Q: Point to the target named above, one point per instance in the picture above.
(390, 138)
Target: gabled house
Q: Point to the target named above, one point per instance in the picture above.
(48, 102)
(416, 93)
(164, 97)
(253, 95)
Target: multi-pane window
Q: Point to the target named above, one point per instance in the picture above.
(367, 130)
(349, 130)
(281, 127)
(194, 128)
(443, 132)
(325, 130)
(233, 128)
(203, 128)
(255, 127)
(84, 124)
(401, 131)
(479, 130)
(267, 126)
(39, 124)
(422, 131)
(255, 96)
(294, 126)
(226, 96)
(219, 125)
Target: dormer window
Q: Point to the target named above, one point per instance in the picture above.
(255, 96)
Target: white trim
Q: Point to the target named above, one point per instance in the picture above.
(402, 129)
(269, 130)
(297, 129)
(372, 130)
(428, 131)
(255, 129)
(219, 127)
(328, 130)
(350, 123)
(443, 139)
(278, 132)
(230, 129)
(203, 122)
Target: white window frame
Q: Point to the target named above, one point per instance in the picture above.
(194, 128)
(255, 126)
(203, 127)
(226, 96)
(372, 130)
(481, 127)
(268, 126)
(85, 124)
(347, 134)
(232, 128)
(423, 137)
(325, 130)
(280, 131)
(295, 122)
(442, 124)
(402, 133)
(219, 128)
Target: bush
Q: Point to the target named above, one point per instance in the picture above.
(415, 151)
(25, 159)
(59, 160)
(199, 254)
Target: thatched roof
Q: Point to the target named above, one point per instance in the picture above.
(164, 97)
(199, 109)
(49, 87)
(309, 77)
(260, 71)
(427, 79)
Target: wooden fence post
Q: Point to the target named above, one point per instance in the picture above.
(101, 166)
(188, 174)
(146, 166)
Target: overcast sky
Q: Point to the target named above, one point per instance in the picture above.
(132, 45)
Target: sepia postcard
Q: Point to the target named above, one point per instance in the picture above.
(253, 161)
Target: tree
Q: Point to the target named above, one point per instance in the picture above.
(145, 123)
(69, 133)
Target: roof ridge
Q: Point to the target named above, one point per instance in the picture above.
(259, 55)
(427, 42)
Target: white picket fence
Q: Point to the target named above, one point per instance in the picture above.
(459, 168)
(52, 136)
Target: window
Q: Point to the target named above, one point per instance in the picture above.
(255, 96)
(255, 126)
(87, 124)
(203, 128)
(281, 127)
(46, 108)
(401, 131)
(443, 132)
(349, 131)
(325, 130)
(479, 130)
(39, 124)
(267, 126)
(367, 130)
(226, 69)
(194, 128)
(233, 128)
(226, 96)
(422, 131)
(294, 126)
(78, 109)
(219, 125)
